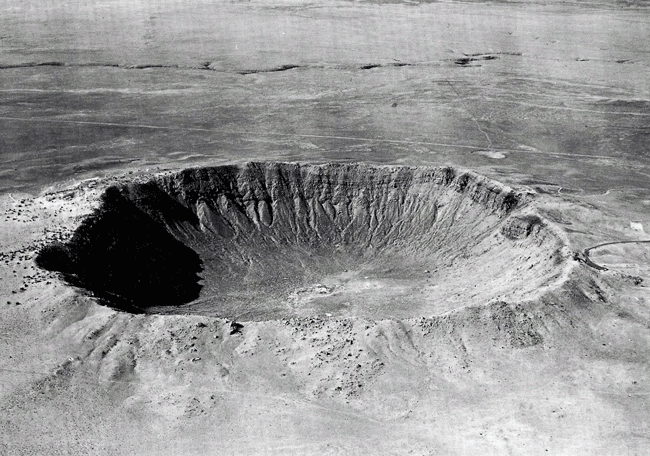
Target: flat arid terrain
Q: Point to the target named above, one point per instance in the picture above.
(345, 227)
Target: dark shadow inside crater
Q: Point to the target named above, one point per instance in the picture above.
(125, 257)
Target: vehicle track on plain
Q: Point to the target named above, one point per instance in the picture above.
(590, 262)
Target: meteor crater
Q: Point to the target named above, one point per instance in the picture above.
(264, 241)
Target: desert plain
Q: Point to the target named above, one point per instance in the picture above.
(345, 227)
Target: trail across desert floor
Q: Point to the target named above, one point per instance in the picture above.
(603, 268)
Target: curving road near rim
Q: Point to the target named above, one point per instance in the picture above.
(588, 260)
